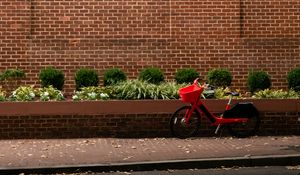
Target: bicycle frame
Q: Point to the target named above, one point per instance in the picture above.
(215, 120)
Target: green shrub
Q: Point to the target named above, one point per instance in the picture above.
(113, 76)
(219, 77)
(152, 75)
(52, 77)
(293, 79)
(85, 77)
(187, 75)
(258, 80)
(12, 74)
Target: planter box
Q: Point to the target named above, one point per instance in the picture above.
(130, 118)
(133, 107)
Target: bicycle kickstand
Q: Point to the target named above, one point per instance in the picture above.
(216, 132)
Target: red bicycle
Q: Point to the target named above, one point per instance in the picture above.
(242, 120)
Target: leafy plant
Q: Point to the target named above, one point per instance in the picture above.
(169, 90)
(85, 77)
(187, 75)
(220, 93)
(293, 79)
(259, 80)
(133, 89)
(12, 74)
(91, 93)
(2, 94)
(152, 75)
(219, 77)
(49, 93)
(137, 89)
(269, 93)
(113, 76)
(52, 77)
(23, 93)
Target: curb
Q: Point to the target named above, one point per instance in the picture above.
(273, 160)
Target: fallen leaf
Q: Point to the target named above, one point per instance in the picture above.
(293, 167)
(86, 141)
(43, 156)
(248, 155)
(129, 157)
(224, 168)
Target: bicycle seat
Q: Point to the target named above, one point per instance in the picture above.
(233, 93)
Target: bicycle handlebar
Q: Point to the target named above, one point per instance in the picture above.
(197, 83)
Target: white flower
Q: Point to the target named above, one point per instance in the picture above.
(103, 95)
(45, 98)
(32, 95)
(75, 97)
(46, 94)
(92, 95)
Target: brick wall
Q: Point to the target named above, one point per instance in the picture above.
(240, 35)
(125, 125)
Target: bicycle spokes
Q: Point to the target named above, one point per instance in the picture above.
(182, 128)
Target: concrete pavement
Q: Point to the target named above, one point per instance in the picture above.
(105, 154)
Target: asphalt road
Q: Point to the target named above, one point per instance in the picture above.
(220, 171)
(275, 170)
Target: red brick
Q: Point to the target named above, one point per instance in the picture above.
(262, 34)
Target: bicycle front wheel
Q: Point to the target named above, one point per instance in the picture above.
(245, 129)
(181, 129)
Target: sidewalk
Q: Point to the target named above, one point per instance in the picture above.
(112, 153)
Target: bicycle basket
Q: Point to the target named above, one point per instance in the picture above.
(190, 93)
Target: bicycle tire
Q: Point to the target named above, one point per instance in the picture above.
(243, 130)
(178, 126)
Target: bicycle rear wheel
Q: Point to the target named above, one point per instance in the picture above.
(245, 129)
(181, 129)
